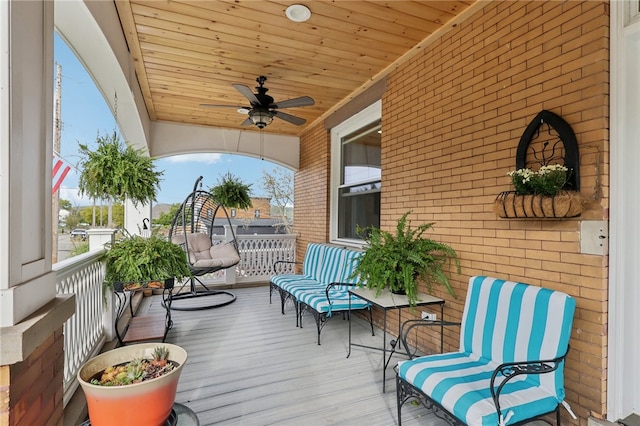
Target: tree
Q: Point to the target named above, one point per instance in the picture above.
(65, 204)
(166, 218)
(278, 185)
(74, 218)
(117, 210)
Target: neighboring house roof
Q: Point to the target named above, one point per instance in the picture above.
(158, 209)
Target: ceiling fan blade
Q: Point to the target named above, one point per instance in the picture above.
(224, 106)
(288, 117)
(247, 93)
(296, 102)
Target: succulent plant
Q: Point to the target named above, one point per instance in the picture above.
(161, 353)
(136, 370)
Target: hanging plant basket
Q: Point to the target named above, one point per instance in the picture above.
(232, 193)
(565, 204)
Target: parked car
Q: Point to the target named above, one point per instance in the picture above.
(79, 233)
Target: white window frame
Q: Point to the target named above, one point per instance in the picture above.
(363, 118)
(632, 12)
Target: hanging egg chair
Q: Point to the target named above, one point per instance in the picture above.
(193, 228)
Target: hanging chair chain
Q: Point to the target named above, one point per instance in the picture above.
(115, 106)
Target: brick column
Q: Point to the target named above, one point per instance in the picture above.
(31, 390)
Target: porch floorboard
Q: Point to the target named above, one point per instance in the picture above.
(249, 365)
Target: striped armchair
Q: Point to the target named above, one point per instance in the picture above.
(510, 367)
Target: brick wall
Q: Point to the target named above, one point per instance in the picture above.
(311, 189)
(31, 390)
(259, 203)
(452, 119)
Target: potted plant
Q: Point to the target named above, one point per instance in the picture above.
(545, 193)
(401, 261)
(133, 258)
(116, 172)
(131, 386)
(232, 193)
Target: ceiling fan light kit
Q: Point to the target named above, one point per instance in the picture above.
(260, 118)
(263, 108)
(298, 13)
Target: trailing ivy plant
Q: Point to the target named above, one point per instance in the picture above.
(116, 172)
(231, 192)
(399, 261)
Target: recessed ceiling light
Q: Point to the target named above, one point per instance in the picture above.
(298, 13)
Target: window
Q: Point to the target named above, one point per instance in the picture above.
(233, 212)
(256, 213)
(356, 173)
(635, 12)
(632, 12)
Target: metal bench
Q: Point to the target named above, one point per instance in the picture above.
(322, 288)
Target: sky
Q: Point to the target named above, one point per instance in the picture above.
(85, 115)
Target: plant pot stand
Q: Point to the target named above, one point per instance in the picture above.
(142, 328)
(181, 415)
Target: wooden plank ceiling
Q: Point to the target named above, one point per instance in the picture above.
(188, 53)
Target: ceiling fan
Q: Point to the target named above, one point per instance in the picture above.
(263, 108)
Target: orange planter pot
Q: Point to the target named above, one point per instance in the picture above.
(147, 403)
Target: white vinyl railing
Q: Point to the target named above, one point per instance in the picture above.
(257, 256)
(84, 333)
(92, 324)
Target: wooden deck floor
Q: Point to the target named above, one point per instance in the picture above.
(249, 365)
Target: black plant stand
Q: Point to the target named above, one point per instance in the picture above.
(180, 415)
(142, 328)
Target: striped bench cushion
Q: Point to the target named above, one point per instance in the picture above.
(313, 260)
(339, 300)
(351, 259)
(323, 265)
(291, 283)
(332, 262)
(503, 321)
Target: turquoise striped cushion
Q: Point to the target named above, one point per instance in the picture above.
(331, 267)
(507, 321)
(323, 265)
(460, 382)
(291, 283)
(351, 259)
(503, 321)
(313, 259)
(339, 301)
(280, 280)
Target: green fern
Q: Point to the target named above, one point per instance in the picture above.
(232, 193)
(399, 261)
(117, 172)
(134, 258)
